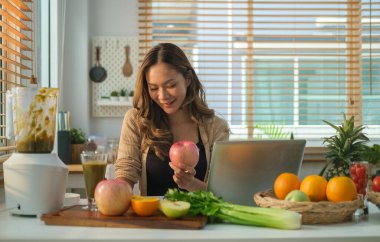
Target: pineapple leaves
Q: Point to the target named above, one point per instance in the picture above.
(348, 144)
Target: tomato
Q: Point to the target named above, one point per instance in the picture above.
(360, 171)
(358, 174)
(376, 184)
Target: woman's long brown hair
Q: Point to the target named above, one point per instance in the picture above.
(153, 121)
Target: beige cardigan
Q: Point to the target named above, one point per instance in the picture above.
(131, 160)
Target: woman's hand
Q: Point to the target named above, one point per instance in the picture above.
(184, 177)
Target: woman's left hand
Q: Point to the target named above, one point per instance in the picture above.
(183, 176)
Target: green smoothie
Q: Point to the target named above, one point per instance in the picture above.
(94, 172)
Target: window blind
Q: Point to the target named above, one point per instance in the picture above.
(277, 66)
(16, 59)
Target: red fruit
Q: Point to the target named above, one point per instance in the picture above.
(360, 171)
(352, 169)
(358, 174)
(376, 184)
(185, 152)
(113, 197)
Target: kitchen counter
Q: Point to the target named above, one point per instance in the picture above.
(16, 228)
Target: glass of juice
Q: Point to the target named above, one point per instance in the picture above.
(94, 169)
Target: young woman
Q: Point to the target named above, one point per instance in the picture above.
(168, 106)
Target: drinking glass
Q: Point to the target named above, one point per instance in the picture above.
(94, 169)
(359, 174)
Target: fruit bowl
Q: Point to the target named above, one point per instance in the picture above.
(323, 212)
(374, 197)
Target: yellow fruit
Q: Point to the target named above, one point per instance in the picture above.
(285, 183)
(315, 187)
(145, 206)
(341, 189)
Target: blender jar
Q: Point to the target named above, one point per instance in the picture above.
(34, 119)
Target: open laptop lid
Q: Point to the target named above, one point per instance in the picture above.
(239, 169)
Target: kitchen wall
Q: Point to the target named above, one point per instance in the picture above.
(85, 19)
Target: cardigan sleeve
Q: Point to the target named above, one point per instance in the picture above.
(128, 163)
(221, 130)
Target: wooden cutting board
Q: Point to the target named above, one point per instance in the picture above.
(76, 216)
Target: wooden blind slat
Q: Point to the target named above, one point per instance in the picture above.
(241, 2)
(319, 58)
(16, 53)
(7, 17)
(7, 28)
(11, 83)
(14, 73)
(16, 60)
(16, 12)
(17, 43)
(21, 5)
(9, 61)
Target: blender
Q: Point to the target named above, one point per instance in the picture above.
(34, 176)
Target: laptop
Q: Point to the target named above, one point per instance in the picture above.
(239, 169)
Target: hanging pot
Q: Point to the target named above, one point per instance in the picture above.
(98, 73)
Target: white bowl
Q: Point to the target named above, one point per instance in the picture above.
(71, 199)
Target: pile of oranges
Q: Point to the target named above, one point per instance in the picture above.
(337, 189)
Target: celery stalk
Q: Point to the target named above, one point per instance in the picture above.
(206, 203)
(274, 218)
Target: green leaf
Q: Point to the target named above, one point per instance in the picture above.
(273, 131)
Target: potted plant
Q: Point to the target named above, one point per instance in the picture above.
(123, 94)
(131, 93)
(372, 155)
(346, 146)
(78, 144)
(114, 95)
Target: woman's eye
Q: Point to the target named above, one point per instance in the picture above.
(172, 85)
(153, 89)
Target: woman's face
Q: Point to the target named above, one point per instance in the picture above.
(167, 87)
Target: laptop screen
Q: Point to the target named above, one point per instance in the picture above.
(239, 169)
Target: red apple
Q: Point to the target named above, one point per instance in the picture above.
(185, 152)
(113, 197)
(376, 184)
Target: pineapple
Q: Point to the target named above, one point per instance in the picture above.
(346, 146)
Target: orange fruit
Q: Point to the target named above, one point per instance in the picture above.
(145, 206)
(315, 187)
(285, 183)
(341, 189)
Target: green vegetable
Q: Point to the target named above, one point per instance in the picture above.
(77, 136)
(372, 154)
(206, 203)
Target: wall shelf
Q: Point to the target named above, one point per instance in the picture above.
(113, 59)
(118, 103)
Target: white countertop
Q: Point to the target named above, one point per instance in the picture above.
(15, 228)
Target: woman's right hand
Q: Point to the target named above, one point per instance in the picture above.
(184, 177)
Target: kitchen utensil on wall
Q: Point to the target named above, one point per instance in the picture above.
(98, 73)
(127, 67)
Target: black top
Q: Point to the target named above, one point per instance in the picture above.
(160, 175)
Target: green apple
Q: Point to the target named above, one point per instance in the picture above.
(174, 209)
(297, 196)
